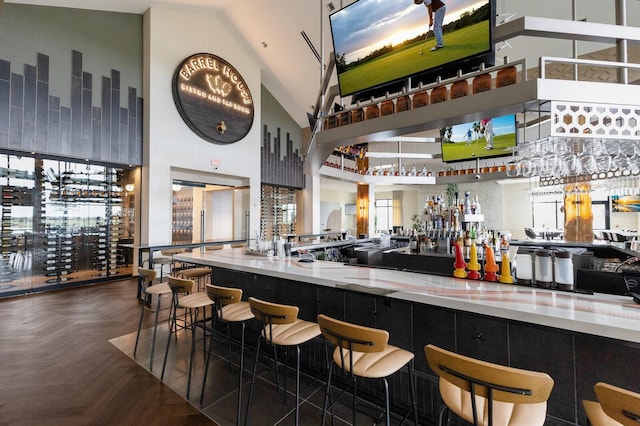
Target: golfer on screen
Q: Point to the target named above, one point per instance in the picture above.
(436, 10)
(486, 127)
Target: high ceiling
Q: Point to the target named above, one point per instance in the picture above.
(292, 73)
(272, 29)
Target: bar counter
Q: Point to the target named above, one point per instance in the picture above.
(578, 339)
(599, 314)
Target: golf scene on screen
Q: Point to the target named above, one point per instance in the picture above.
(380, 41)
(493, 137)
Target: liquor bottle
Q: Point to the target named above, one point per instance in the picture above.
(413, 242)
(467, 202)
(478, 207)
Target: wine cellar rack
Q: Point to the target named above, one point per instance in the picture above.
(182, 220)
(63, 222)
(277, 211)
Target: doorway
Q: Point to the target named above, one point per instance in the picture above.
(208, 212)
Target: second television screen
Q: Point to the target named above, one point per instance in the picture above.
(494, 137)
(380, 41)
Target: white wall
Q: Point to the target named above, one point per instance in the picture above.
(170, 147)
(331, 200)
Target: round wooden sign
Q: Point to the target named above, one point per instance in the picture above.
(213, 98)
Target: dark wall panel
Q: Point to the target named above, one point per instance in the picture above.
(53, 129)
(278, 168)
(33, 119)
(16, 112)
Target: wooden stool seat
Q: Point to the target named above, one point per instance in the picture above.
(374, 365)
(364, 352)
(196, 274)
(292, 334)
(597, 416)
(156, 289)
(192, 273)
(615, 406)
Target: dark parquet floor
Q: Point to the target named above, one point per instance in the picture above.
(57, 366)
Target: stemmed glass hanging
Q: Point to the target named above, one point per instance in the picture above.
(634, 159)
(571, 160)
(620, 162)
(551, 159)
(588, 163)
(603, 159)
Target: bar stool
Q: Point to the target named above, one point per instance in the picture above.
(166, 259)
(214, 247)
(281, 327)
(196, 274)
(158, 290)
(191, 302)
(364, 352)
(484, 393)
(615, 406)
(229, 308)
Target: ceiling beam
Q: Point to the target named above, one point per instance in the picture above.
(562, 29)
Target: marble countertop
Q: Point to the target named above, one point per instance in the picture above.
(605, 315)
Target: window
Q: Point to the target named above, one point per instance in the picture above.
(548, 213)
(383, 215)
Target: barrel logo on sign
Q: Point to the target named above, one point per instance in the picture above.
(213, 99)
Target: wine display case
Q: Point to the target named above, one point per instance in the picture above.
(277, 211)
(182, 219)
(62, 222)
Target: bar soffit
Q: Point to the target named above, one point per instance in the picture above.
(530, 95)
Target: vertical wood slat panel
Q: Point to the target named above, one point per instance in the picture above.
(42, 107)
(73, 145)
(5, 92)
(29, 109)
(16, 111)
(96, 131)
(53, 139)
(130, 150)
(105, 145)
(32, 119)
(86, 146)
(281, 166)
(115, 114)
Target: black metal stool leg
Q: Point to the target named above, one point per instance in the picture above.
(253, 379)
(155, 332)
(241, 373)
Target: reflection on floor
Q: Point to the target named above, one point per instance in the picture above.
(220, 395)
(16, 280)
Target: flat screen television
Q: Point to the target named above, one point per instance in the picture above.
(378, 44)
(494, 137)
